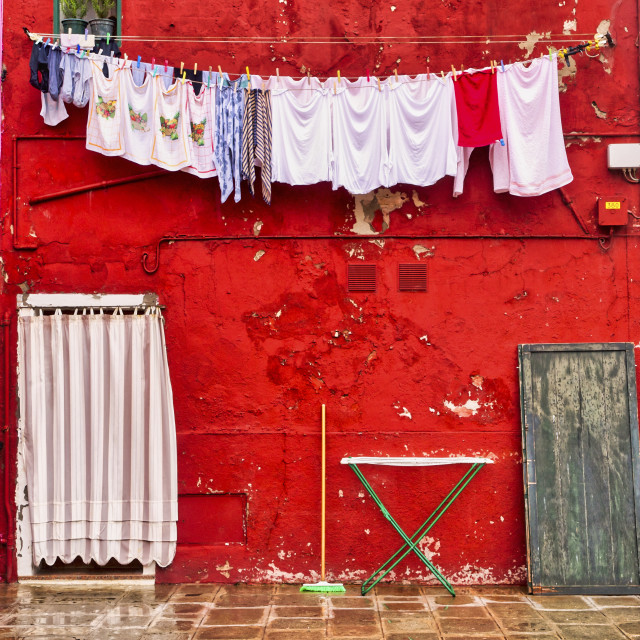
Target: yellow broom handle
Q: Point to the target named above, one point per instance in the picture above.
(322, 577)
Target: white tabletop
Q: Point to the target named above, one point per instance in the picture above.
(416, 462)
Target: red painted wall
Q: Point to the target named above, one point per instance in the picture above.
(257, 342)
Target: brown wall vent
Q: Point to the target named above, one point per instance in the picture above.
(362, 277)
(412, 277)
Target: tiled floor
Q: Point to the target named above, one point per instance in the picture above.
(193, 612)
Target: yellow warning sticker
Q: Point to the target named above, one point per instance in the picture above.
(612, 205)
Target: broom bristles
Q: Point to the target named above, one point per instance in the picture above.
(323, 587)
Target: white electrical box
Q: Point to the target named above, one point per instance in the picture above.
(623, 156)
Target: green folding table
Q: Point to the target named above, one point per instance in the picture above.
(411, 542)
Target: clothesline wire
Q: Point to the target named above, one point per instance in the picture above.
(561, 39)
(110, 61)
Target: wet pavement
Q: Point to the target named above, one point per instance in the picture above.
(281, 612)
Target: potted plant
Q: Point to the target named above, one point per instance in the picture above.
(103, 24)
(74, 11)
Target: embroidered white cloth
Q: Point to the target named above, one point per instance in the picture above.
(415, 462)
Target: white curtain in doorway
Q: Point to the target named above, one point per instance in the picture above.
(99, 437)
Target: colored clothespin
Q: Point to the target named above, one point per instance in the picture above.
(454, 73)
(108, 37)
(86, 34)
(78, 49)
(502, 66)
(181, 67)
(139, 58)
(368, 77)
(338, 76)
(249, 78)
(166, 66)
(184, 77)
(395, 71)
(47, 42)
(428, 74)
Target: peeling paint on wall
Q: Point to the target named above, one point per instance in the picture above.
(599, 113)
(368, 205)
(468, 409)
(532, 39)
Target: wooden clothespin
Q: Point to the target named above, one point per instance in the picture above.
(454, 73)
(461, 68)
(278, 74)
(56, 43)
(338, 76)
(379, 87)
(263, 86)
(492, 67)
(442, 74)
(195, 68)
(395, 71)
(309, 78)
(100, 52)
(181, 67)
(209, 78)
(335, 91)
(428, 74)
(69, 32)
(126, 57)
(368, 76)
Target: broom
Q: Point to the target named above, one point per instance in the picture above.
(323, 586)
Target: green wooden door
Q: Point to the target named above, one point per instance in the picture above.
(582, 476)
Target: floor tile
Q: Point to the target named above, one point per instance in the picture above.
(412, 635)
(296, 623)
(460, 612)
(294, 635)
(351, 603)
(560, 602)
(583, 632)
(354, 617)
(622, 614)
(467, 625)
(403, 606)
(297, 612)
(227, 617)
(229, 633)
(576, 617)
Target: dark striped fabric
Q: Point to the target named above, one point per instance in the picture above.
(256, 140)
